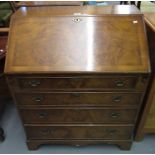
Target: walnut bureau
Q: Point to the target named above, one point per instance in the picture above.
(147, 121)
(78, 74)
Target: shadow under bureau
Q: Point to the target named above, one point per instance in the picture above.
(78, 74)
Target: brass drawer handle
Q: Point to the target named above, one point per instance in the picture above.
(45, 132)
(117, 99)
(112, 131)
(43, 114)
(115, 115)
(38, 99)
(34, 83)
(120, 83)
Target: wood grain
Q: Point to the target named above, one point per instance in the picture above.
(78, 99)
(84, 115)
(84, 132)
(77, 43)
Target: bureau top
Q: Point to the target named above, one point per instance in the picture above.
(77, 39)
(73, 10)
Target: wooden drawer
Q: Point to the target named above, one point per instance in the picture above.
(79, 132)
(78, 83)
(79, 98)
(78, 115)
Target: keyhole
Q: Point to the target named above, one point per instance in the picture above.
(77, 20)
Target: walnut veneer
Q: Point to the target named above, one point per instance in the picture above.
(78, 74)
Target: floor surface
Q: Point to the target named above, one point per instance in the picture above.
(15, 141)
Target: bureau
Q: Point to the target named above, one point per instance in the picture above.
(78, 75)
(146, 124)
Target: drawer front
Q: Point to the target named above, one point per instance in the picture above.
(79, 132)
(77, 115)
(79, 98)
(87, 83)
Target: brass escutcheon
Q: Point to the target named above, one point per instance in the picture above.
(76, 20)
